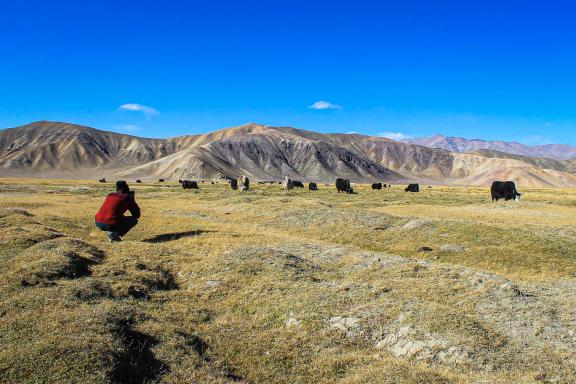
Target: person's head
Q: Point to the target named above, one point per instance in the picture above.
(122, 186)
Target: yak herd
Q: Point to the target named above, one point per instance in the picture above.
(499, 190)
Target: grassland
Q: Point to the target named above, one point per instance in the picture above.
(270, 286)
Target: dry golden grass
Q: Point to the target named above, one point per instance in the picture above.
(268, 286)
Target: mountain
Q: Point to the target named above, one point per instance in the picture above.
(568, 165)
(268, 153)
(51, 149)
(68, 149)
(461, 145)
(479, 169)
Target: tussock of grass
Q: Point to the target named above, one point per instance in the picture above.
(50, 260)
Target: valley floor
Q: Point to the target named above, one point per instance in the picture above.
(268, 286)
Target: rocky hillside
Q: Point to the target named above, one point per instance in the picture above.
(49, 149)
(266, 155)
(69, 149)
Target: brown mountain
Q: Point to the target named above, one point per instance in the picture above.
(62, 149)
(68, 150)
(51, 149)
(459, 144)
(267, 153)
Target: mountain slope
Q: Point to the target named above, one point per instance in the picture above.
(68, 150)
(568, 165)
(400, 157)
(404, 158)
(475, 169)
(268, 154)
(49, 149)
(458, 144)
(60, 148)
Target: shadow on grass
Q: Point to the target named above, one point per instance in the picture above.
(201, 348)
(137, 363)
(165, 237)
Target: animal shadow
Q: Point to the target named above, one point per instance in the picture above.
(165, 237)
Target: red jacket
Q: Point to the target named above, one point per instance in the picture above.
(112, 211)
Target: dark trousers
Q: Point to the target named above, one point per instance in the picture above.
(127, 223)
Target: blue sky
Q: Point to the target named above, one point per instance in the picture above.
(489, 69)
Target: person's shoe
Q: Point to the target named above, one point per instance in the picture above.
(113, 236)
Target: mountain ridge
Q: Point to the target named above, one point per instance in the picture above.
(462, 145)
(55, 149)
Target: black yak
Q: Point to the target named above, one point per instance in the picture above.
(504, 190)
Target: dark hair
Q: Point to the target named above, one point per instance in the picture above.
(121, 185)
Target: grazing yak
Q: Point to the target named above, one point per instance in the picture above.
(297, 184)
(102, 180)
(287, 183)
(377, 186)
(504, 190)
(244, 183)
(312, 187)
(189, 184)
(234, 184)
(412, 188)
(160, 180)
(343, 185)
(139, 181)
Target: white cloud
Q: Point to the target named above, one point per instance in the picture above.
(395, 135)
(351, 133)
(148, 111)
(323, 105)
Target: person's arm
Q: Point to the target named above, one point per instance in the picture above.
(133, 207)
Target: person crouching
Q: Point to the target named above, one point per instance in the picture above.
(111, 217)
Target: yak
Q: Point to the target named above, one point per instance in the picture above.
(189, 184)
(244, 183)
(343, 185)
(288, 184)
(504, 190)
(412, 188)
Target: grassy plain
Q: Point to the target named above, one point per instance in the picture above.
(270, 286)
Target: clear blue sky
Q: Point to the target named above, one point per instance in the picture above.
(489, 69)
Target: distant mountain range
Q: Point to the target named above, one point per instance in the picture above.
(53, 149)
(461, 145)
